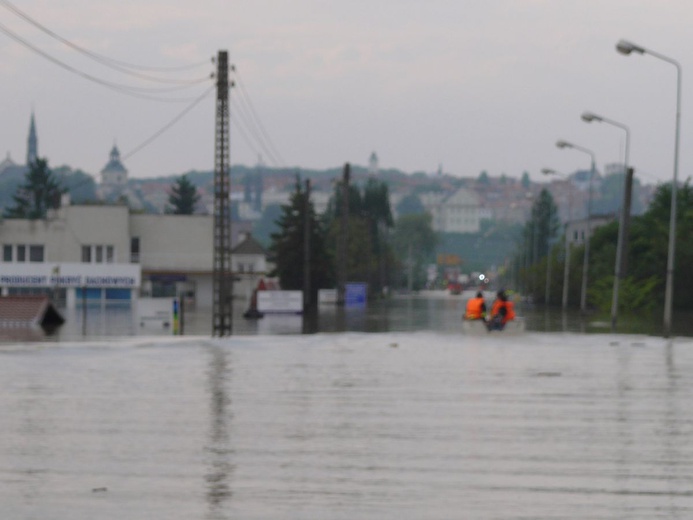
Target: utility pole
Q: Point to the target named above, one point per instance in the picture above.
(343, 238)
(222, 275)
(307, 300)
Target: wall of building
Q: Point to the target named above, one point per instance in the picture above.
(174, 242)
(176, 253)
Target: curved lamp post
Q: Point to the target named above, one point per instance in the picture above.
(626, 47)
(585, 264)
(566, 263)
(589, 117)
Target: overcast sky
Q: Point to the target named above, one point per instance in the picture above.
(468, 85)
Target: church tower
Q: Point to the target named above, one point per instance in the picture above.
(114, 174)
(373, 164)
(32, 143)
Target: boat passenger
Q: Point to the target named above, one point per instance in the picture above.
(476, 308)
(502, 311)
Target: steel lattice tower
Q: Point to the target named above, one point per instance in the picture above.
(222, 276)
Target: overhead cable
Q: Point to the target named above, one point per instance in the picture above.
(255, 116)
(169, 124)
(119, 65)
(139, 92)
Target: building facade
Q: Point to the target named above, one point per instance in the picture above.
(106, 254)
(459, 212)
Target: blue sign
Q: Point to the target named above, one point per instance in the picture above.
(355, 294)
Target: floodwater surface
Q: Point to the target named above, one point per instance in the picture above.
(392, 425)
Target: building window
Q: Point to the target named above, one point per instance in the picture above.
(86, 254)
(21, 253)
(110, 254)
(98, 254)
(35, 253)
(6, 253)
(135, 250)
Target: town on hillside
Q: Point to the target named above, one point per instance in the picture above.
(479, 220)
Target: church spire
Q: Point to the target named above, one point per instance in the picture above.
(32, 143)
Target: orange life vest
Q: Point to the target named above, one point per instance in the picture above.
(509, 309)
(475, 309)
(510, 314)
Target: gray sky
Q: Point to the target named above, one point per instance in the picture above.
(467, 84)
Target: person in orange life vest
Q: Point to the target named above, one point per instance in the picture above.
(502, 311)
(476, 308)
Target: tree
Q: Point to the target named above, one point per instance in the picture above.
(642, 288)
(414, 242)
(287, 245)
(538, 235)
(370, 217)
(39, 193)
(525, 180)
(183, 197)
(410, 205)
(484, 179)
(263, 228)
(610, 198)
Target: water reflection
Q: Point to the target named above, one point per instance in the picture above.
(218, 477)
(429, 312)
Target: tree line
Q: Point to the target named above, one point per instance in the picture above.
(380, 251)
(42, 189)
(540, 257)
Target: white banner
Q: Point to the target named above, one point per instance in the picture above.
(280, 301)
(48, 274)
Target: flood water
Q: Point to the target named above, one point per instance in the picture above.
(434, 311)
(401, 423)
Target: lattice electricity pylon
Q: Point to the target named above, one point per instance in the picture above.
(222, 275)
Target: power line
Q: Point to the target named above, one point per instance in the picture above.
(121, 66)
(123, 89)
(255, 116)
(170, 123)
(242, 120)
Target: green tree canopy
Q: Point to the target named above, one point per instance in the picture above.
(39, 193)
(410, 205)
(414, 242)
(370, 216)
(287, 245)
(183, 197)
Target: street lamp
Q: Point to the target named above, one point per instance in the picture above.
(566, 263)
(585, 263)
(626, 47)
(589, 117)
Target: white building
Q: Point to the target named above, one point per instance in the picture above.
(105, 253)
(459, 212)
(578, 230)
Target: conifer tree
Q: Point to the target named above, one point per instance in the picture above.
(183, 197)
(286, 248)
(39, 193)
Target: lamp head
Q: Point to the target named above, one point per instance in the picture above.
(563, 144)
(626, 47)
(589, 117)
